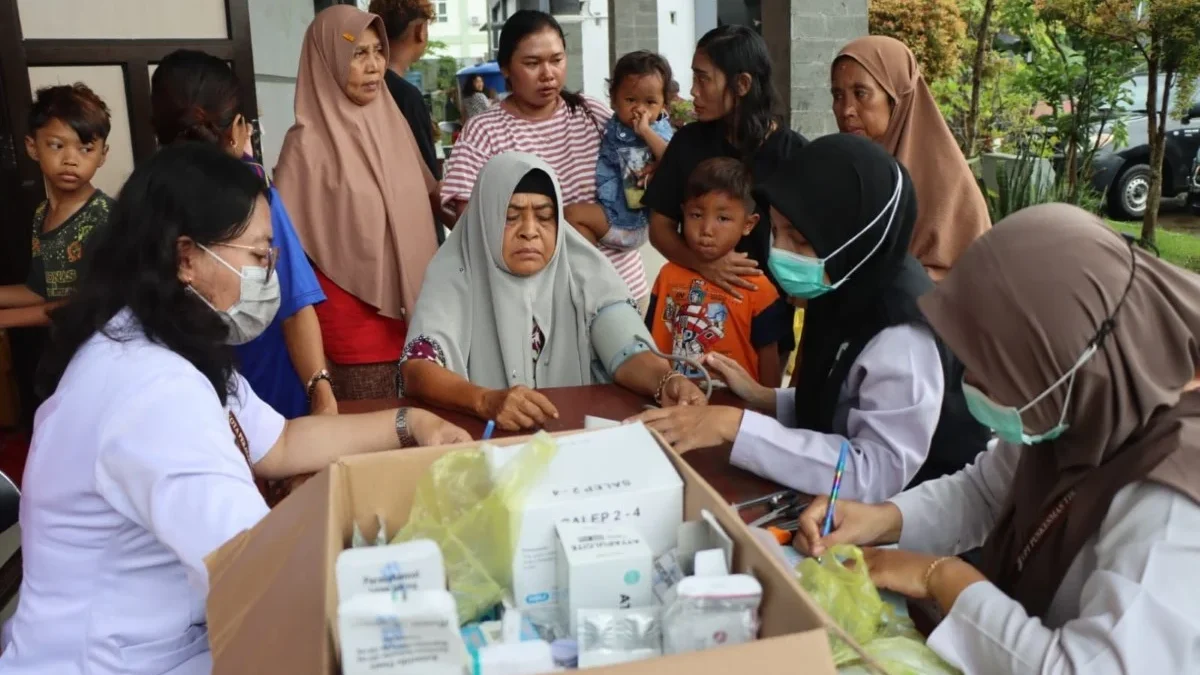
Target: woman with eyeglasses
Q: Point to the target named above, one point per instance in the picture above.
(195, 96)
(146, 451)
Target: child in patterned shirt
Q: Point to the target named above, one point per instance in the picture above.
(68, 138)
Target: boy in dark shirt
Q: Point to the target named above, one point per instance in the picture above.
(407, 25)
(68, 138)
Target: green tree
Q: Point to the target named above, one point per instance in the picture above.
(933, 29)
(1080, 76)
(1166, 35)
(985, 100)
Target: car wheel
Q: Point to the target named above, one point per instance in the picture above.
(1131, 192)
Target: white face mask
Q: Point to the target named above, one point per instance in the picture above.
(257, 303)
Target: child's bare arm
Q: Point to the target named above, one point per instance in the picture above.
(35, 315)
(770, 372)
(656, 144)
(19, 295)
(588, 219)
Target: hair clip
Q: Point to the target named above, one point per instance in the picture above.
(348, 37)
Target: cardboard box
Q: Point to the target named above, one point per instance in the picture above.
(601, 567)
(272, 602)
(616, 476)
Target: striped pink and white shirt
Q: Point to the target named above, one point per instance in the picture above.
(569, 143)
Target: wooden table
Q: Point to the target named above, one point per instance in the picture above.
(615, 403)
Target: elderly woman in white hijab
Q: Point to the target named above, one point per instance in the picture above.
(513, 302)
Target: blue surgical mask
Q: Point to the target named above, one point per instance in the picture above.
(1006, 421)
(801, 276)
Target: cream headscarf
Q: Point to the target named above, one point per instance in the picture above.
(481, 315)
(951, 210)
(352, 177)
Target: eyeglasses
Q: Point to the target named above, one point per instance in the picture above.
(271, 253)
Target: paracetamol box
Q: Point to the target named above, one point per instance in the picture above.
(616, 476)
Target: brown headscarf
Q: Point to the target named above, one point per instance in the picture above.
(1019, 309)
(352, 177)
(952, 212)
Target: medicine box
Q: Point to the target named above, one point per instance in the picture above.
(618, 476)
(414, 635)
(601, 567)
(410, 566)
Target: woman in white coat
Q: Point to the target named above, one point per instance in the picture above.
(1082, 355)
(146, 451)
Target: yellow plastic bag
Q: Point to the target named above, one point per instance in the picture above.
(846, 593)
(459, 506)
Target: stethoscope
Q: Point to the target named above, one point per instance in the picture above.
(686, 360)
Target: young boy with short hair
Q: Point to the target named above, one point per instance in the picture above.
(691, 317)
(68, 138)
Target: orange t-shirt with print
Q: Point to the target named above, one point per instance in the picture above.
(689, 316)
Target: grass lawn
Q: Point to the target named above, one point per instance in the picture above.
(1179, 248)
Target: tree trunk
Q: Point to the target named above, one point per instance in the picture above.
(1157, 138)
(982, 44)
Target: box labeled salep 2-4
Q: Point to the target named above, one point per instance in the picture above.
(616, 476)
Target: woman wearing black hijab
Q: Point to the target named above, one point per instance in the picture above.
(872, 374)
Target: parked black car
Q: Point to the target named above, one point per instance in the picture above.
(1194, 187)
(1124, 174)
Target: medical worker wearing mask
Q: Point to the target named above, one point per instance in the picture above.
(146, 451)
(872, 373)
(1088, 510)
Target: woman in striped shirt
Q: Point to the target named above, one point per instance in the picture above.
(563, 128)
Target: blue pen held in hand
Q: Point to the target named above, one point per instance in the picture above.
(837, 486)
(489, 429)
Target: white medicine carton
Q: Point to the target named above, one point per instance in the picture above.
(601, 567)
(616, 476)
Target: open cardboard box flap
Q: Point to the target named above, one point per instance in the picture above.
(272, 603)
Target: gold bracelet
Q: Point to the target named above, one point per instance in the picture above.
(662, 385)
(933, 566)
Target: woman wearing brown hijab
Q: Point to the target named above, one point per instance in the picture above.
(360, 198)
(1085, 352)
(878, 92)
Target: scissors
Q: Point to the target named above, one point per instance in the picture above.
(687, 360)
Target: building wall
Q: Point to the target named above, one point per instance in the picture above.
(462, 31)
(277, 30)
(633, 25)
(594, 60)
(677, 38)
(818, 30)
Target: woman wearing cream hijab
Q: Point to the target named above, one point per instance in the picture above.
(360, 197)
(1081, 353)
(878, 92)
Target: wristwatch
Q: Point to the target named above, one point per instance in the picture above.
(403, 432)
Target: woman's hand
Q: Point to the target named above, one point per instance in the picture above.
(429, 429)
(728, 272)
(690, 427)
(740, 382)
(853, 523)
(323, 401)
(518, 408)
(902, 572)
(681, 391)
